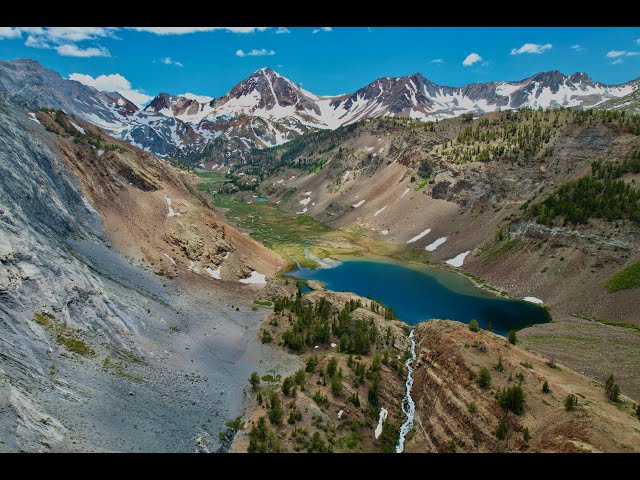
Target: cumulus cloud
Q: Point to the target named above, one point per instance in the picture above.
(531, 48)
(198, 98)
(10, 32)
(471, 59)
(63, 40)
(171, 61)
(187, 30)
(255, 53)
(322, 29)
(113, 83)
(282, 30)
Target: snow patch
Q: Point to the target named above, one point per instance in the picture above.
(305, 201)
(458, 260)
(380, 211)
(256, 278)
(419, 236)
(432, 246)
(172, 212)
(346, 175)
(384, 232)
(78, 127)
(172, 260)
(33, 117)
(405, 192)
(383, 416)
(214, 273)
(533, 300)
(358, 204)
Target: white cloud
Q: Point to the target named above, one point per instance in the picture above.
(621, 53)
(198, 98)
(171, 61)
(281, 30)
(63, 39)
(70, 50)
(437, 61)
(113, 83)
(10, 32)
(322, 29)
(187, 30)
(531, 48)
(578, 48)
(617, 61)
(255, 53)
(471, 59)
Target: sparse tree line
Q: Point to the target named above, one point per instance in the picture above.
(601, 195)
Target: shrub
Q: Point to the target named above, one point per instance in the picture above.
(512, 398)
(317, 445)
(570, 402)
(312, 363)
(512, 337)
(266, 337)
(501, 429)
(526, 436)
(545, 387)
(336, 385)
(473, 408)
(331, 366)
(484, 378)
(287, 384)
(354, 399)
(320, 399)
(474, 326)
(612, 389)
(294, 416)
(499, 366)
(300, 378)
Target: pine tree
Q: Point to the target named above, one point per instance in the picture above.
(512, 337)
(254, 380)
(545, 387)
(474, 326)
(484, 378)
(612, 389)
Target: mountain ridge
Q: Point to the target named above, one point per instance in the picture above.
(267, 109)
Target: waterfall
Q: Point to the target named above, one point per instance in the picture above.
(408, 405)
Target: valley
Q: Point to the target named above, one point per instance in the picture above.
(243, 274)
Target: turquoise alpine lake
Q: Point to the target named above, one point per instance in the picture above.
(417, 295)
(261, 199)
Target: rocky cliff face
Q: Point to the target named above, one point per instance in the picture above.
(110, 311)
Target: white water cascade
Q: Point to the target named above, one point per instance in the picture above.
(408, 405)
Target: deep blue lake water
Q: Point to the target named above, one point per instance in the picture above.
(418, 295)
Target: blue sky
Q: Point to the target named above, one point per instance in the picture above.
(323, 60)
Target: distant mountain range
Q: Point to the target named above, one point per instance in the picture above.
(267, 109)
